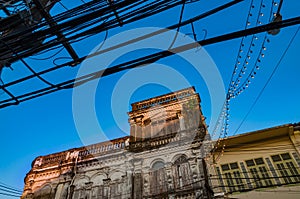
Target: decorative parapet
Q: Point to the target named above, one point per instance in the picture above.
(81, 154)
(103, 148)
(163, 99)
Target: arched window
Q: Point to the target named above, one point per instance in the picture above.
(97, 192)
(182, 173)
(158, 165)
(44, 192)
(158, 179)
(115, 189)
(116, 184)
(78, 190)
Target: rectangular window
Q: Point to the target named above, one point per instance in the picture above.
(238, 179)
(286, 156)
(246, 175)
(265, 175)
(273, 171)
(297, 158)
(232, 177)
(283, 172)
(293, 171)
(234, 166)
(225, 167)
(259, 161)
(221, 179)
(259, 173)
(276, 158)
(250, 163)
(179, 175)
(285, 164)
(230, 183)
(255, 177)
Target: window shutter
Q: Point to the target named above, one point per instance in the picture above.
(175, 176)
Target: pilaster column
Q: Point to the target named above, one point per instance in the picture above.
(170, 181)
(147, 181)
(106, 191)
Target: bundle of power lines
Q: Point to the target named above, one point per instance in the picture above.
(142, 61)
(76, 24)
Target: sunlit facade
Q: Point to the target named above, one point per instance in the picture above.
(162, 157)
(261, 164)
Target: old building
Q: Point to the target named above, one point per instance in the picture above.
(261, 164)
(162, 157)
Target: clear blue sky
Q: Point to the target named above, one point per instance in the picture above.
(46, 125)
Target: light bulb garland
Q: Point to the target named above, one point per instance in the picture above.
(242, 43)
(238, 89)
(254, 39)
(252, 74)
(237, 86)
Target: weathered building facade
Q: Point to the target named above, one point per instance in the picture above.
(261, 164)
(162, 157)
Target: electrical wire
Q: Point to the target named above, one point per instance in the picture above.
(189, 183)
(63, 5)
(233, 89)
(60, 58)
(86, 20)
(31, 30)
(103, 42)
(259, 187)
(1, 81)
(146, 60)
(241, 44)
(64, 40)
(235, 83)
(198, 17)
(174, 26)
(51, 56)
(27, 65)
(179, 25)
(12, 195)
(221, 116)
(238, 90)
(3, 185)
(8, 190)
(268, 81)
(268, 170)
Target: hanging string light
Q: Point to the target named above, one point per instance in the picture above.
(241, 48)
(252, 45)
(251, 75)
(254, 70)
(236, 88)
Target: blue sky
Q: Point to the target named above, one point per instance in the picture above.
(46, 124)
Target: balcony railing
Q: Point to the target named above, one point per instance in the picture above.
(81, 154)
